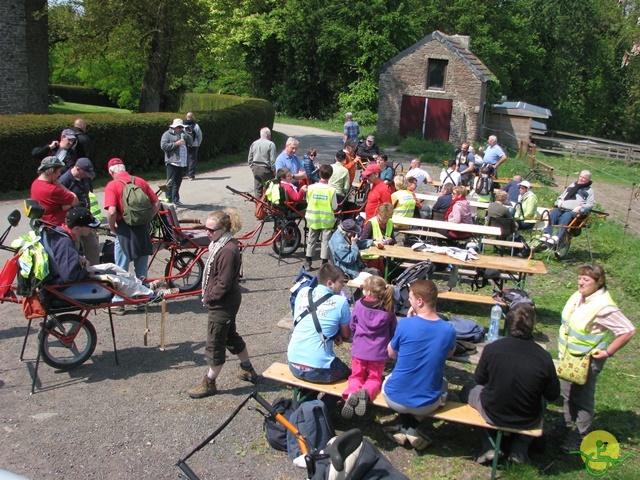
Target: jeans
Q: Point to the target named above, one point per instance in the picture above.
(337, 371)
(140, 264)
(193, 161)
(558, 216)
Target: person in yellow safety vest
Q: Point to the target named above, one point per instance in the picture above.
(322, 201)
(403, 201)
(592, 325)
(372, 229)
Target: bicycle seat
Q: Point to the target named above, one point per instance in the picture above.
(343, 446)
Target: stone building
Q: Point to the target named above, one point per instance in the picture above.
(24, 70)
(436, 86)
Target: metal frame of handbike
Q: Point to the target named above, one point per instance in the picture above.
(573, 229)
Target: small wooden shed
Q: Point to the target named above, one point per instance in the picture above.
(436, 86)
(514, 122)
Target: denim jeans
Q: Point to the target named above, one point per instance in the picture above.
(140, 264)
(337, 371)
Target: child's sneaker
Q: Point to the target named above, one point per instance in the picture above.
(350, 406)
(418, 440)
(361, 407)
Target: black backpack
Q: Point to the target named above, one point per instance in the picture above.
(420, 271)
(513, 297)
(467, 330)
(485, 186)
(312, 420)
(276, 434)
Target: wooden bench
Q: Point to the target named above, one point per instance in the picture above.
(469, 297)
(455, 412)
(423, 233)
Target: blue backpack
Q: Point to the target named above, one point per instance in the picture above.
(467, 330)
(304, 279)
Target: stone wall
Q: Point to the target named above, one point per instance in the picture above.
(408, 76)
(24, 46)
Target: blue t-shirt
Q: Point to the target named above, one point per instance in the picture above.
(423, 347)
(492, 154)
(292, 162)
(305, 346)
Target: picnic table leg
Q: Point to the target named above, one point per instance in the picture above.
(162, 322)
(496, 445)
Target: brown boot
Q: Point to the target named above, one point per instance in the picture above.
(205, 389)
(247, 374)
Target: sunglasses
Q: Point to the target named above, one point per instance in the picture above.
(213, 230)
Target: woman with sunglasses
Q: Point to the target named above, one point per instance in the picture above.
(592, 325)
(221, 295)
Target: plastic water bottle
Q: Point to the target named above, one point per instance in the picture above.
(494, 326)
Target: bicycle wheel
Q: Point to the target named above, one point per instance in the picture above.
(289, 239)
(66, 342)
(185, 262)
(563, 246)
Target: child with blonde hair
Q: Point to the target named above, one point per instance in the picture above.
(373, 323)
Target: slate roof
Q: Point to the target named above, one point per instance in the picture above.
(478, 68)
(532, 110)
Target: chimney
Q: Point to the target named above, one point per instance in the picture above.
(462, 39)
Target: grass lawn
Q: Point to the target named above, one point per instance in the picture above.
(70, 108)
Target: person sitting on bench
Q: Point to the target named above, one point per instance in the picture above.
(321, 318)
(68, 266)
(421, 344)
(513, 378)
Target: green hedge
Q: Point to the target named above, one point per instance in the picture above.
(84, 95)
(135, 138)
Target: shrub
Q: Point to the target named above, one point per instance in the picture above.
(77, 94)
(135, 138)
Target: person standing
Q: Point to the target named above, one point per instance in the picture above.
(192, 129)
(351, 129)
(62, 149)
(592, 324)
(321, 203)
(379, 192)
(262, 160)
(465, 164)
(133, 243)
(175, 143)
(84, 145)
(221, 295)
(46, 190)
(494, 156)
(78, 180)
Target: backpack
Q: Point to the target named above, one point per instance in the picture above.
(485, 186)
(467, 330)
(276, 434)
(136, 205)
(313, 422)
(513, 297)
(420, 271)
(303, 279)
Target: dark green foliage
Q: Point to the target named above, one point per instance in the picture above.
(78, 94)
(135, 138)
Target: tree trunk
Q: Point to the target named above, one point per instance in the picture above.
(156, 74)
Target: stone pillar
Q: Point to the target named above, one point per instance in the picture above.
(24, 72)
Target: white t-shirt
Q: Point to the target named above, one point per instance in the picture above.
(455, 177)
(421, 175)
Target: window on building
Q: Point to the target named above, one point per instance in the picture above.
(436, 73)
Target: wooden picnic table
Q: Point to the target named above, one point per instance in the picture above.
(433, 198)
(424, 223)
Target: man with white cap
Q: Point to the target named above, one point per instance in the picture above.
(174, 144)
(78, 180)
(526, 210)
(46, 190)
(351, 129)
(62, 149)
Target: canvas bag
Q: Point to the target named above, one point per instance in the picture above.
(572, 368)
(275, 433)
(136, 205)
(313, 422)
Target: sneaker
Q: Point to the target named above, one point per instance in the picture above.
(178, 203)
(247, 374)
(396, 433)
(418, 440)
(544, 238)
(156, 284)
(350, 406)
(191, 179)
(486, 457)
(363, 397)
(163, 292)
(206, 388)
(553, 240)
(120, 311)
(520, 458)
